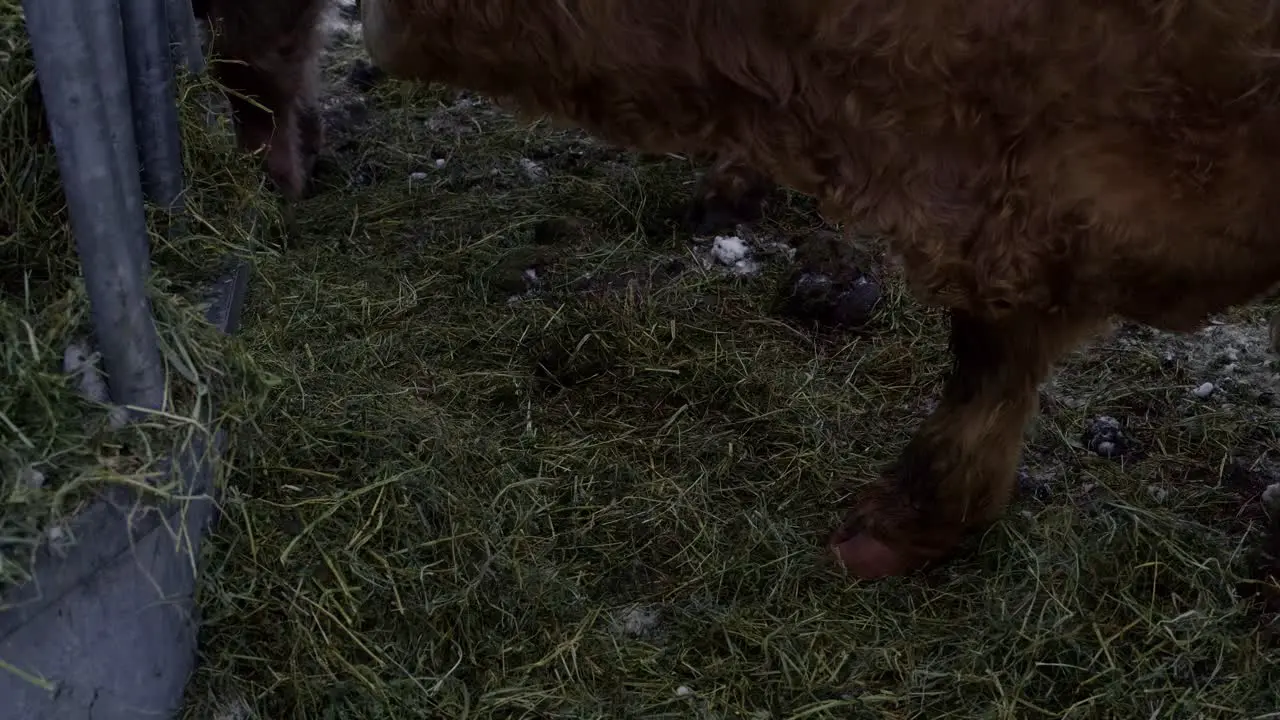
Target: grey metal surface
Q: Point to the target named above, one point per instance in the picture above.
(187, 48)
(111, 628)
(226, 297)
(155, 109)
(104, 203)
(103, 29)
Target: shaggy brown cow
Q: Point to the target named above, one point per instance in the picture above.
(267, 55)
(1040, 165)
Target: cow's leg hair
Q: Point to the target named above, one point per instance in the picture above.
(957, 473)
(274, 105)
(310, 121)
(265, 117)
(728, 193)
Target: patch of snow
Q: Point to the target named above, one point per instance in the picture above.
(417, 176)
(1271, 497)
(813, 281)
(338, 27)
(1107, 423)
(440, 163)
(80, 363)
(1037, 483)
(457, 118)
(734, 253)
(31, 477)
(532, 282)
(1229, 354)
(684, 691)
(1222, 357)
(783, 249)
(640, 621)
(234, 709)
(533, 170)
(60, 540)
(729, 249)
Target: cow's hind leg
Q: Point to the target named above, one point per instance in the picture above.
(728, 193)
(958, 472)
(269, 62)
(266, 120)
(311, 138)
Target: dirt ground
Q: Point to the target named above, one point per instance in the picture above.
(538, 452)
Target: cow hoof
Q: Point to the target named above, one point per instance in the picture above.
(867, 554)
(867, 558)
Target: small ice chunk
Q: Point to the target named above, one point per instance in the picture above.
(417, 176)
(639, 621)
(684, 690)
(728, 249)
(1271, 497)
(31, 477)
(533, 170)
(1204, 390)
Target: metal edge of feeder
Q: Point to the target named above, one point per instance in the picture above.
(113, 625)
(107, 630)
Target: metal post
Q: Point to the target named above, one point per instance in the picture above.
(155, 110)
(101, 22)
(186, 36)
(89, 119)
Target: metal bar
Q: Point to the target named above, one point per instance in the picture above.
(80, 88)
(186, 36)
(155, 110)
(102, 24)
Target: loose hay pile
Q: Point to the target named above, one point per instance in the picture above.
(531, 458)
(58, 449)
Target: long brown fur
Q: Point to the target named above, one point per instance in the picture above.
(1039, 165)
(266, 53)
